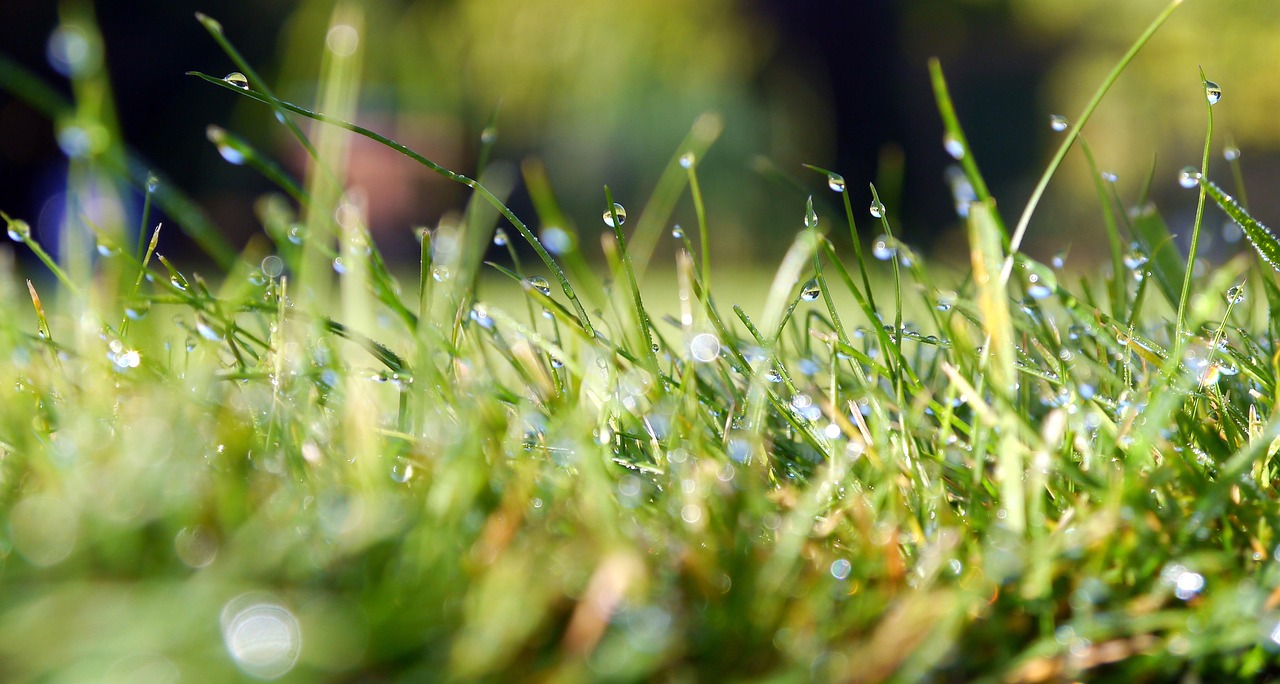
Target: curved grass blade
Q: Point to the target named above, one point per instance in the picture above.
(484, 192)
(1262, 238)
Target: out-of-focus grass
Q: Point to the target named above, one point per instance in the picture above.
(310, 467)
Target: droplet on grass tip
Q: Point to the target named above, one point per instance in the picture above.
(152, 183)
(1059, 123)
(1109, 177)
(677, 232)
(489, 135)
(877, 209)
(538, 283)
(953, 146)
(1231, 153)
(772, 375)
(619, 211)
(440, 273)
(206, 329)
(687, 159)
(19, 230)
(1189, 177)
(1135, 258)
(835, 181)
(237, 79)
(810, 216)
(500, 237)
(1213, 92)
(882, 249)
(811, 291)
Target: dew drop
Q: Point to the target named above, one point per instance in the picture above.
(1231, 153)
(339, 266)
(953, 146)
(1036, 289)
(835, 181)
(810, 216)
(105, 249)
(1213, 92)
(500, 237)
(557, 240)
(882, 249)
(402, 472)
(152, 183)
(237, 79)
(877, 209)
(686, 161)
(539, 283)
(811, 291)
(704, 348)
(138, 310)
(1189, 177)
(207, 330)
(772, 375)
(440, 273)
(489, 135)
(1108, 176)
(272, 266)
(617, 209)
(1135, 258)
(19, 230)
(1235, 294)
(1058, 123)
(297, 233)
(677, 232)
(1059, 260)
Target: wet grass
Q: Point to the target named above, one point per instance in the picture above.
(310, 467)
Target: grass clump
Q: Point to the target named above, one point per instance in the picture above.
(311, 468)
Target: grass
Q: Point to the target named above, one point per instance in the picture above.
(308, 468)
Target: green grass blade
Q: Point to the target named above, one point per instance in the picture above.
(1261, 237)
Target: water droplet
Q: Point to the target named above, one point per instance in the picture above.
(558, 240)
(841, 568)
(1135, 258)
(1189, 177)
(539, 283)
(772, 375)
(339, 266)
(882, 249)
(297, 233)
(500, 237)
(1059, 123)
(811, 291)
(72, 52)
(877, 209)
(677, 232)
(621, 213)
(206, 329)
(1213, 92)
(272, 266)
(152, 183)
(1059, 260)
(105, 249)
(402, 472)
(261, 636)
(1231, 153)
(1235, 294)
(1037, 289)
(1109, 177)
(556, 362)
(835, 181)
(489, 135)
(138, 310)
(810, 216)
(237, 79)
(704, 348)
(440, 273)
(19, 230)
(480, 314)
(953, 146)
(74, 141)
(686, 160)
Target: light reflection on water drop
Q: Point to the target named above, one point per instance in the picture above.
(261, 636)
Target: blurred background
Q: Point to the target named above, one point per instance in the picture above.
(602, 92)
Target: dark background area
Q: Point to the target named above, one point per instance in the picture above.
(864, 61)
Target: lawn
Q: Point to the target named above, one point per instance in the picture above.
(303, 465)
